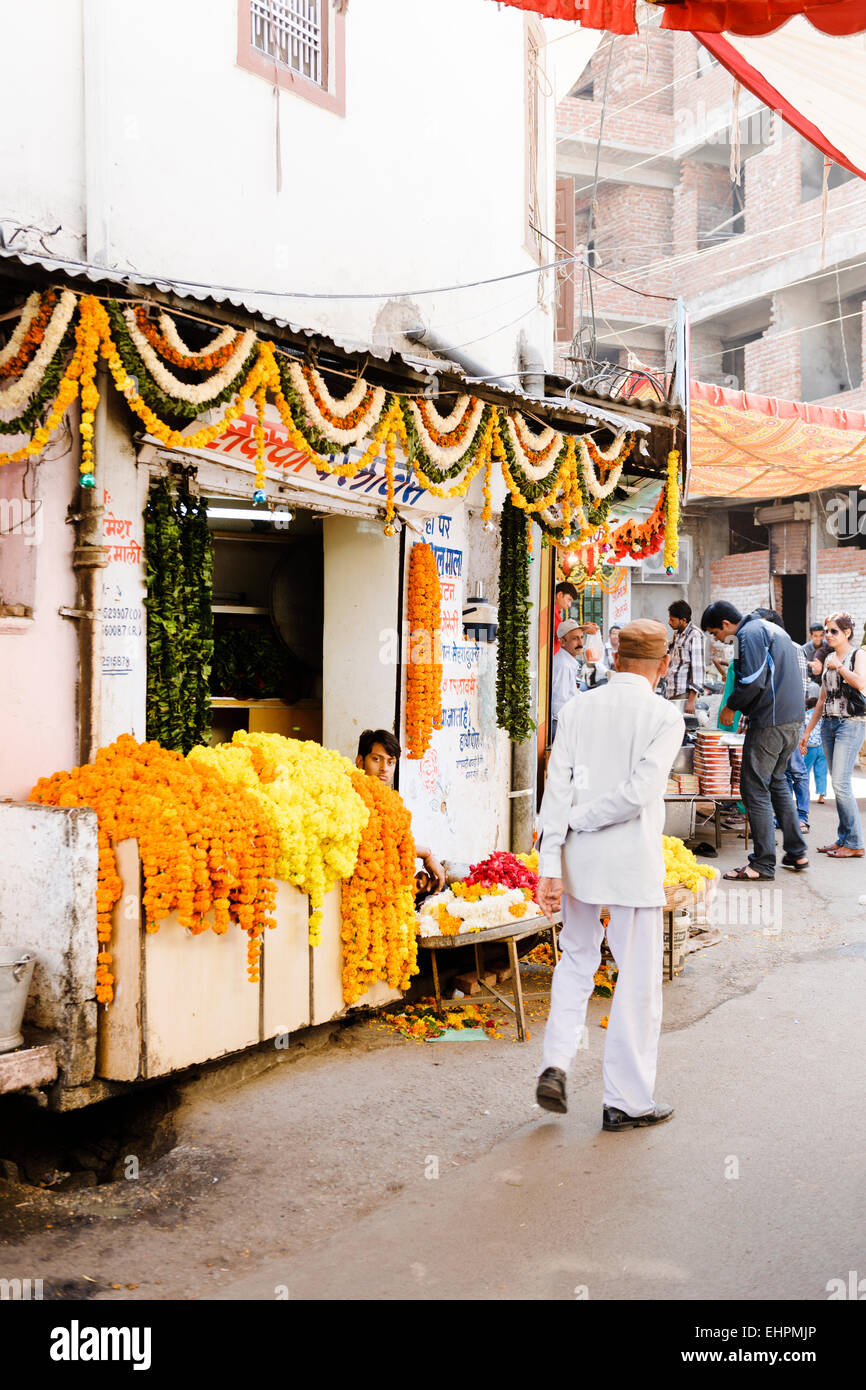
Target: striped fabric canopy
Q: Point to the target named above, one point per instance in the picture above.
(707, 16)
(743, 445)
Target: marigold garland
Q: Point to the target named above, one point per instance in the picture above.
(316, 813)
(567, 484)
(513, 711)
(378, 909)
(206, 848)
(672, 511)
(424, 658)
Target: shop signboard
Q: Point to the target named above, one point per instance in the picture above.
(286, 461)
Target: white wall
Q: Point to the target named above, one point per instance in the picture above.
(421, 183)
(39, 656)
(359, 670)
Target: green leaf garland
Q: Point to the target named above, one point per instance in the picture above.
(179, 560)
(512, 656)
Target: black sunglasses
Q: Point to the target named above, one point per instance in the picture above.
(835, 630)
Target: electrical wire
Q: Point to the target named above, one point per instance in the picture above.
(160, 280)
(578, 134)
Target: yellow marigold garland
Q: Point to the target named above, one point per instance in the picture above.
(317, 815)
(378, 908)
(424, 658)
(672, 512)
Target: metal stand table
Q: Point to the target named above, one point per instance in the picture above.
(509, 932)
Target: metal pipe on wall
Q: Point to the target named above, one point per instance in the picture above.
(88, 560)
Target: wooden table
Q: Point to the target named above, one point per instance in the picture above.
(511, 933)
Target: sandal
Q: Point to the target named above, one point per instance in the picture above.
(790, 861)
(743, 875)
(826, 849)
(820, 801)
(845, 852)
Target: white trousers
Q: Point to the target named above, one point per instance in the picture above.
(635, 937)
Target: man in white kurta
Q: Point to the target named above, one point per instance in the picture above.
(602, 820)
(566, 667)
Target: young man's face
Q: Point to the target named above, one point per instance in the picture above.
(677, 623)
(564, 602)
(614, 639)
(378, 763)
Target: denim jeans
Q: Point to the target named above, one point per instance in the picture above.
(817, 763)
(798, 780)
(764, 791)
(842, 739)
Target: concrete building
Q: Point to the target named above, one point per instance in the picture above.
(772, 269)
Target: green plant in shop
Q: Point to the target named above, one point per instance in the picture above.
(179, 558)
(512, 657)
(250, 664)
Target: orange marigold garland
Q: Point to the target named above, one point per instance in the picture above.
(197, 362)
(378, 906)
(204, 846)
(424, 669)
(33, 334)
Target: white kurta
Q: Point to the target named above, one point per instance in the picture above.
(602, 816)
(566, 673)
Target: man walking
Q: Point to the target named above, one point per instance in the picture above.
(769, 690)
(686, 673)
(601, 844)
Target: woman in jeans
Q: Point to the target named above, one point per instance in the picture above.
(842, 707)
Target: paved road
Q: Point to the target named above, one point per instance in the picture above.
(311, 1179)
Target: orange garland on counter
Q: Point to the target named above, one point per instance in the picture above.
(378, 901)
(204, 846)
(424, 658)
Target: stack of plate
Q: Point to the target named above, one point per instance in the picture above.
(713, 763)
(688, 784)
(736, 755)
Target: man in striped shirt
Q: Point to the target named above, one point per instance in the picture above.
(686, 672)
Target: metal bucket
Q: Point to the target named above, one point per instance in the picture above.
(16, 972)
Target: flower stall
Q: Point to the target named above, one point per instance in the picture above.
(273, 541)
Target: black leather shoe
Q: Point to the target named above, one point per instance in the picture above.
(617, 1119)
(550, 1091)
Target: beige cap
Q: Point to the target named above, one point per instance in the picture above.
(643, 640)
(565, 628)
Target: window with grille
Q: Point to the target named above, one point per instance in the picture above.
(298, 46)
(293, 33)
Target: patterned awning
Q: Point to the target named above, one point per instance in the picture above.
(743, 445)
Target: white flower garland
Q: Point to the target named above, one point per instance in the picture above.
(169, 331)
(28, 314)
(534, 471)
(340, 408)
(530, 440)
(590, 476)
(446, 423)
(445, 457)
(317, 419)
(169, 383)
(490, 910)
(16, 397)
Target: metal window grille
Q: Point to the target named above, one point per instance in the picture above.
(290, 31)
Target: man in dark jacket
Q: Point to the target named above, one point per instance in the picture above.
(768, 689)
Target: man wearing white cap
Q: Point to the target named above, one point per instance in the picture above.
(602, 820)
(566, 667)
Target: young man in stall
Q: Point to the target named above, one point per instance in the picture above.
(602, 819)
(378, 752)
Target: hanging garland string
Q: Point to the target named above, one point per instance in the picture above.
(424, 668)
(179, 571)
(512, 657)
(567, 484)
